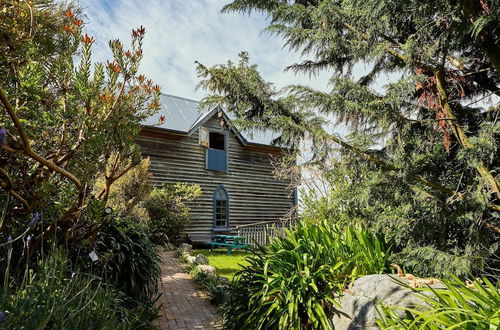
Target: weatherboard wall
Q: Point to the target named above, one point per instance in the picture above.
(255, 193)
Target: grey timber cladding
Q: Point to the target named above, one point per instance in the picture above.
(255, 194)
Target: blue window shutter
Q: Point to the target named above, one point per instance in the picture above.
(216, 160)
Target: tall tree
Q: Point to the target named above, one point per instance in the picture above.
(428, 135)
(65, 120)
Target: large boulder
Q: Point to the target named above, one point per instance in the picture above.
(184, 248)
(190, 259)
(201, 260)
(362, 296)
(206, 269)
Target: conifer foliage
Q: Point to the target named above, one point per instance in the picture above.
(420, 160)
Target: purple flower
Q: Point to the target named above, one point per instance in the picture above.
(28, 239)
(2, 317)
(3, 133)
(34, 220)
(9, 239)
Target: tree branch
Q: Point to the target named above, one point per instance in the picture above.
(412, 177)
(460, 135)
(27, 146)
(7, 186)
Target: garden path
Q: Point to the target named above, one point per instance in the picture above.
(183, 305)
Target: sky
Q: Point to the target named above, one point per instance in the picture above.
(180, 32)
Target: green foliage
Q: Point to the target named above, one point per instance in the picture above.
(128, 258)
(459, 306)
(429, 261)
(169, 212)
(128, 193)
(55, 297)
(431, 237)
(418, 157)
(68, 119)
(293, 282)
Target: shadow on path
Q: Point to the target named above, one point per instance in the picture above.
(184, 306)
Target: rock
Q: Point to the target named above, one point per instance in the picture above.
(206, 269)
(220, 294)
(223, 279)
(190, 259)
(185, 248)
(361, 297)
(201, 260)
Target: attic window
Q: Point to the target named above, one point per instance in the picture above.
(216, 155)
(217, 141)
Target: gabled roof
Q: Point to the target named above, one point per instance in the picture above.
(184, 116)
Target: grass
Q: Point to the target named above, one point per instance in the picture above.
(225, 264)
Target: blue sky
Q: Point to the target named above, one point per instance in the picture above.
(178, 32)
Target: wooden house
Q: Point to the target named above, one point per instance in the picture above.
(234, 169)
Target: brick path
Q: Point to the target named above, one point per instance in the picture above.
(184, 306)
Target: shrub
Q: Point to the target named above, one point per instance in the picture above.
(459, 306)
(93, 130)
(128, 193)
(129, 258)
(293, 282)
(54, 297)
(168, 211)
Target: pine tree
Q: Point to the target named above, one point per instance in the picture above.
(425, 148)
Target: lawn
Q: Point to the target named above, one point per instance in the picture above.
(225, 264)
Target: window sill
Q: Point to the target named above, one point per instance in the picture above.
(216, 171)
(222, 229)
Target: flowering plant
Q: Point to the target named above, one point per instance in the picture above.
(64, 120)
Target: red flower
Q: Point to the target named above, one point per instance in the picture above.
(128, 53)
(68, 28)
(69, 13)
(78, 22)
(156, 88)
(139, 32)
(106, 97)
(162, 119)
(87, 40)
(114, 67)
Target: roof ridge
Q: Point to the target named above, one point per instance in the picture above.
(180, 97)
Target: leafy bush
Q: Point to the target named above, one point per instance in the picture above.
(91, 130)
(128, 193)
(129, 258)
(168, 211)
(458, 306)
(54, 297)
(429, 261)
(292, 283)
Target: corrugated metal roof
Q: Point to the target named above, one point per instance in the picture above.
(182, 114)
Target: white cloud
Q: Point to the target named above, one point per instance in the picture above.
(178, 32)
